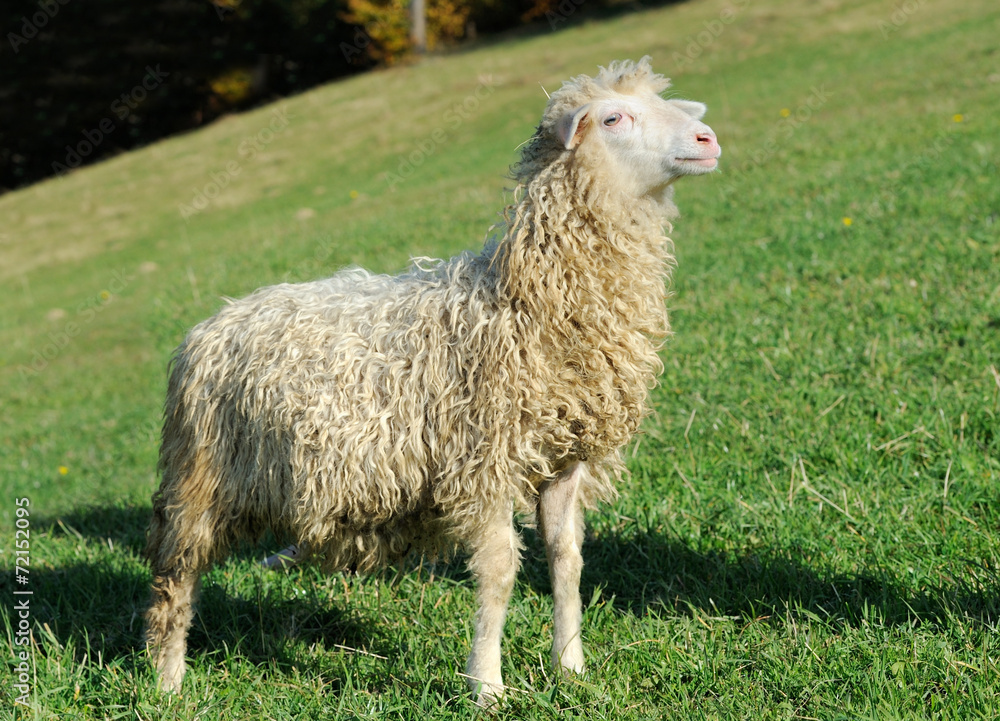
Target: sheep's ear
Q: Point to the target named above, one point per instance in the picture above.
(569, 127)
(695, 109)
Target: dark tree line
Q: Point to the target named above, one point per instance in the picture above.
(81, 80)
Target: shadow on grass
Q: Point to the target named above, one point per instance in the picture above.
(124, 525)
(651, 571)
(98, 605)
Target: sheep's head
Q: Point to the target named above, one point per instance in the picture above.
(620, 126)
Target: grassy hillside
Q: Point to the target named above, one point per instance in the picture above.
(812, 526)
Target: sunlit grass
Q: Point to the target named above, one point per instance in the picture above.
(811, 525)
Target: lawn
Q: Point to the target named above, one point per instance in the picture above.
(811, 528)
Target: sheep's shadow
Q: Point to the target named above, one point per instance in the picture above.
(123, 525)
(96, 607)
(647, 571)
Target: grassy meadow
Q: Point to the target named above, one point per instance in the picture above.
(811, 529)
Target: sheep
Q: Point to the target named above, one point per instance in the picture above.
(364, 417)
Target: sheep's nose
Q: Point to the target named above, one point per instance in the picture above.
(706, 139)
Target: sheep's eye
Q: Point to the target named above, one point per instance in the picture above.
(612, 119)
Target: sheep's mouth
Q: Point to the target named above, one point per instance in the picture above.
(709, 163)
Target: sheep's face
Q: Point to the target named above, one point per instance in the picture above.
(643, 143)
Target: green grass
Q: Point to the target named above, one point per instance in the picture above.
(812, 524)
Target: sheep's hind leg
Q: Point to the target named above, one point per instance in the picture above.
(496, 557)
(561, 521)
(167, 623)
(181, 545)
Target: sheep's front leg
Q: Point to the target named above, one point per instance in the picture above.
(496, 556)
(560, 516)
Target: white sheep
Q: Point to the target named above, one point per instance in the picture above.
(366, 416)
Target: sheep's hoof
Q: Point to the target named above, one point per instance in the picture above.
(486, 693)
(489, 696)
(169, 678)
(569, 661)
(569, 669)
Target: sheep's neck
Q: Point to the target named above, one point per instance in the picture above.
(593, 272)
(589, 304)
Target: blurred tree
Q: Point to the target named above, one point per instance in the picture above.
(84, 79)
(81, 80)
